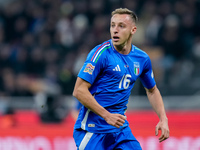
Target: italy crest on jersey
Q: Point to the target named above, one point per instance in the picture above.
(136, 68)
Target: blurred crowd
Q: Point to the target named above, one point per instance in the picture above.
(43, 43)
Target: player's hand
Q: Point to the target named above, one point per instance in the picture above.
(163, 126)
(115, 120)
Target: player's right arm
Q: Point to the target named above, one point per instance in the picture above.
(82, 93)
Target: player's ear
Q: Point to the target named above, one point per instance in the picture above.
(134, 29)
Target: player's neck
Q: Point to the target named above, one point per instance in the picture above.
(124, 48)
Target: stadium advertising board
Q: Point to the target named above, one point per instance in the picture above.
(30, 134)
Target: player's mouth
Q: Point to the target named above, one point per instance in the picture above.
(115, 38)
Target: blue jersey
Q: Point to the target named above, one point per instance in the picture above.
(112, 76)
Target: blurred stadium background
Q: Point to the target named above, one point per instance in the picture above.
(43, 44)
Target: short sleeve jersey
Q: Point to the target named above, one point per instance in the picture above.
(112, 76)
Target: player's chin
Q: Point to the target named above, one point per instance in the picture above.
(116, 43)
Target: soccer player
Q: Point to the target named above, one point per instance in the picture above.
(104, 85)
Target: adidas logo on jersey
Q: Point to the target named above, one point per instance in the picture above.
(117, 68)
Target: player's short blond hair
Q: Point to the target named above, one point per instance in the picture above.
(125, 11)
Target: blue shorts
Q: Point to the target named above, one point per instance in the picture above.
(123, 140)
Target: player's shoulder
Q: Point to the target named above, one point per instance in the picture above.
(139, 52)
(103, 46)
(100, 51)
(100, 48)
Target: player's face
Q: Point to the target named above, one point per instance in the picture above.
(122, 28)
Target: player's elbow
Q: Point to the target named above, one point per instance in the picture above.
(77, 93)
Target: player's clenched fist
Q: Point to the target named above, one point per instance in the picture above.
(116, 120)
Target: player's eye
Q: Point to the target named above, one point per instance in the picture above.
(121, 26)
(112, 25)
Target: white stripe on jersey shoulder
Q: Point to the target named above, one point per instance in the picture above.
(83, 123)
(85, 140)
(100, 51)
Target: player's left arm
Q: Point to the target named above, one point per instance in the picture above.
(156, 102)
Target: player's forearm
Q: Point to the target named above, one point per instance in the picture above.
(156, 101)
(85, 98)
